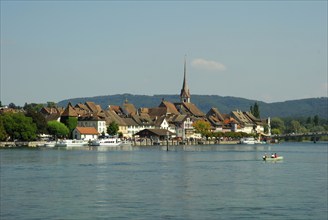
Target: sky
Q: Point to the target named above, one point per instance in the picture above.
(268, 51)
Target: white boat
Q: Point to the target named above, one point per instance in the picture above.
(249, 140)
(107, 142)
(72, 143)
(266, 158)
(50, 144)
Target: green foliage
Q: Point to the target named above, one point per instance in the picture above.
(3, 133)
(70, 122)
(255, 110)
(316, 120)
(39, 120)
(202, 127)
(276, 131)
(51, 104)
(113, 128)
(57, 129)
(33, 107)
(277, 124)
(19, 127)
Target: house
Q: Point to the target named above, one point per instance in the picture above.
(93, 121)
(244, 123)
(132, 127)
(52, 113)
(111, 116)
(169, 108)
(85, 133)
(183, 126)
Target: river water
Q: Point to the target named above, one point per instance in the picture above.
(189, 182)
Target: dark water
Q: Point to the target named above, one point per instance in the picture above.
(199, 182)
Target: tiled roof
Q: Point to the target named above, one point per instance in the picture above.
(214, 112)
(157, 111)
(69, 111)
(157, 132)
(239, 116)
(130, 122)
(111, 116)
(87, 130)
(129, 109)
(192, 108)
(170, 107)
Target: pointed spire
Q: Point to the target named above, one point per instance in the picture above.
(185, 94)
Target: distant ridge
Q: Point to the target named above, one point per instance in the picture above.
(293, 108)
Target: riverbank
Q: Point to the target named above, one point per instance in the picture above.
(144, 142)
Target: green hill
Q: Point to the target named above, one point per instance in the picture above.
(293, 108)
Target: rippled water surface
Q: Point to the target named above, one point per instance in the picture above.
(190, 182)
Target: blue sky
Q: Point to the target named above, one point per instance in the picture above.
(269, 51)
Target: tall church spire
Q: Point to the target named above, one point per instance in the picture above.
(185, 94)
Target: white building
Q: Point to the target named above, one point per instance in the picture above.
(85, 133)
(96, 122)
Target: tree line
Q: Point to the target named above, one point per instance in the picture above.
(29, 124)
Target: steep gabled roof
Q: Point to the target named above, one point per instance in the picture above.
(241, 118)
(192, 108)
(69, 111)
(144, 120)
(93, 107)
(215, 113)
(112, 116)
(157, 111)
(129, 109)
(130, 122)
(170, 107)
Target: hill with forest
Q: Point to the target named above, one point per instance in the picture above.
(293, 108)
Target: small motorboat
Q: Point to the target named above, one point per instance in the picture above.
(266, 158)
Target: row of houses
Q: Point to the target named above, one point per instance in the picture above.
(175, 118)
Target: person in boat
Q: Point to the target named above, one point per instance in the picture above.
(275, 155)
(272, 156)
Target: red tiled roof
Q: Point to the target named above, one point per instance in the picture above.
(87, 130)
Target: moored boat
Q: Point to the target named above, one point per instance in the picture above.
(107, 142)
(249, 140)
(50, 144)
(72, 143)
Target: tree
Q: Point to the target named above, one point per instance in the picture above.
(296, 127)
(12, 105)
(277, 124)
(316, 120)
(70, 122)
(39, 120)
(255, 110)
(51, 104)
(18, 126)
(57, 129)
(33, 107)
(202, 127)
(113, 128)
(3, 133)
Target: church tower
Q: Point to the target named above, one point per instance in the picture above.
(185, 94)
